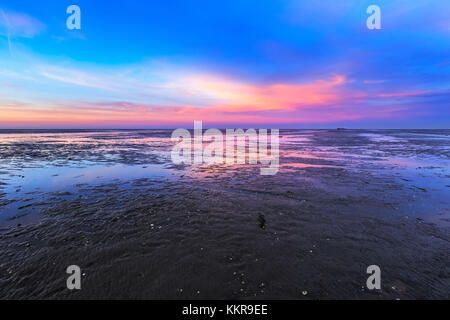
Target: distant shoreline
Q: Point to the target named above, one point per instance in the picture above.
(42, 130)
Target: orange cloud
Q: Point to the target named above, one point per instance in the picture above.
(223, 101)
(240, 97)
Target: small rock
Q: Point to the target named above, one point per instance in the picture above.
(262, 221)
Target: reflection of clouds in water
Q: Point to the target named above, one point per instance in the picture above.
(57, 178)
(71, 161)
(110, 138)
(382, 138)
(306, 165)
(402, 162)
(299, 149)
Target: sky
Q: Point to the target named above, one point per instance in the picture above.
(234, 63)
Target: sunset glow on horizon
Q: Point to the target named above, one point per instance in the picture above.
(290, 64)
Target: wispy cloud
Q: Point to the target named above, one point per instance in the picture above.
(149, 95)
(76, 78)
(412, 94)
(374, 81)
(4, 18)
(293, 62)
(16, 24)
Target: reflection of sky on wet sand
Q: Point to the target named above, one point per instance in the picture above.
(62, 178)
(408, 157)
(27, 185)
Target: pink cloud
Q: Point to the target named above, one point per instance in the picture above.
(412, 94)
(374, 81)
(232, 96)
(223, 101)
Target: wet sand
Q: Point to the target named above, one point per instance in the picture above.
(140, 227)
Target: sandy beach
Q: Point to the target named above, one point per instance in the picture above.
(141, 227)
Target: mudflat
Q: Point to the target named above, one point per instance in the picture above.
(140, 227)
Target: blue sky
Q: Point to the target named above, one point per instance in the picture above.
(268, 63)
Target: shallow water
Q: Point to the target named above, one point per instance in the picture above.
(33, 164)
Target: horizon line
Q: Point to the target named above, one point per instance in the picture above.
(206, 128)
